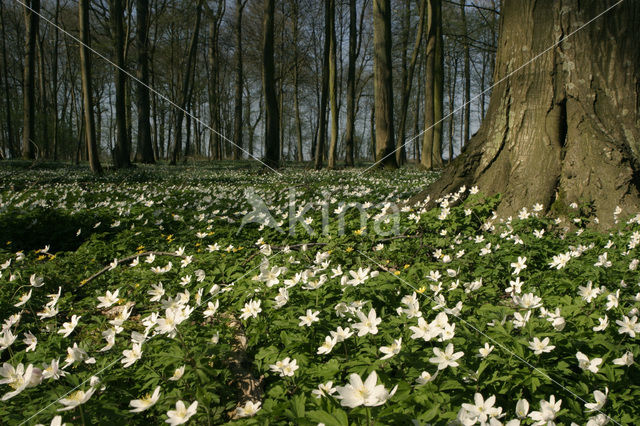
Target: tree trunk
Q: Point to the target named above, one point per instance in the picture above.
(333, 86)
(426, 159)
(122, 148)
(272, 122)
(215, 20)
(408, 81)
(237, 127)
(145, 147)
(438, 83)
(467, 74)
(54, 83)
(383, 84)
(322, 114)
(296, 78)
(32, 20)
(5, 79)
(351, 86)
(564, 128)
(85, 70)
(184, 96)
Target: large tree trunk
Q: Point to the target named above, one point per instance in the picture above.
(85, 71)
(383, 84)
(32, 20)
(145, 148)
(272, 121)
(564, 128)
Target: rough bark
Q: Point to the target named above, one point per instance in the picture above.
(145, 148)
(383, 84)
(272, 120)
(32, 20)
(564, 128)
(87, 93)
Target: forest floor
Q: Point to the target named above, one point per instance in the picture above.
(215, 293)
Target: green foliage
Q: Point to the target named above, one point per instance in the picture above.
(456, 258)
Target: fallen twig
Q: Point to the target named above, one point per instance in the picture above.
(128, 258)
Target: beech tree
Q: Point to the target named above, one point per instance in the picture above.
(271, 128)
(87, 91)
(560, 127)
(32, 20)
(383, 84)
(122, 152)
(145, 148)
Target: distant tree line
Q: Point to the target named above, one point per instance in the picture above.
(332, 82)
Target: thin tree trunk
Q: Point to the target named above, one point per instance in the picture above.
(296, 72)
(184, 97)
(122, 146)
(351, 86)
(145, 147)
(85, 70)
(408, 81)
(7, 94)
(333, 86)
(32, 20)
(272, 131)
(237, 132)
(54, 83)
(438, 82)
(322, 114)
(467, 74)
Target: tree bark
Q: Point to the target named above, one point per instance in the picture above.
(123, 145)
(333, 85)
(467, 74)
(145, 147)
(184, 96)
(438, 82)
(351, 86)
(237, 126)
(383, 84)
(408, 82)
(322, 114)
(87, 93)
(564, 128)
(32, 20)
(272, 120)
(7, 94)
(296, 78)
